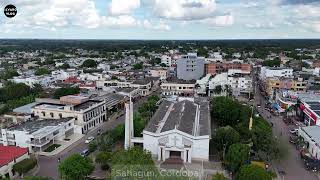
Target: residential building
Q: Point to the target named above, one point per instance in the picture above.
(240, 85)
(167, 60)
(219, 67)
(162, 73)
(190, 67)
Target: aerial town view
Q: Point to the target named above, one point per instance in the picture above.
(160, 89)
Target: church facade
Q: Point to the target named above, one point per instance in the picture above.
(179, 129)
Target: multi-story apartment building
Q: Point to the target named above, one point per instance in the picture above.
(190, 67)
(167, 60)
(240, 84)
(87, 115)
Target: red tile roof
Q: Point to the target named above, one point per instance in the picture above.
(9, 153)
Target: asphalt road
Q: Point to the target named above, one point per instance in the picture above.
(292, 164)
(48, 166)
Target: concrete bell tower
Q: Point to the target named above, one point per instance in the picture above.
(129, 133)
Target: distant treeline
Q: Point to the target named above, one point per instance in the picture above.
(120, 45)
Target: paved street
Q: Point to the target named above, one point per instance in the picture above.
(292, 165)
(49, 165)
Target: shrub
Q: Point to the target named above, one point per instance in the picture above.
(25, 165)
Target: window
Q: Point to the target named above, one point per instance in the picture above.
(43, 113)
(51, 114)
(60, 115)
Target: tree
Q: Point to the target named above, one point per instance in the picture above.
(65, 66)
(75, 167)
(219, 176)
(89, 63)
(14, 91)
(104, 159)
(138, 66)
(253, 172)
(224, 137)
(24, 166)
(262, 135)
(41, 71)
(65, 91)
(272, 63)
(8, 74)
(133, 160)
(237, 156)
(217, 89)
(226, 111)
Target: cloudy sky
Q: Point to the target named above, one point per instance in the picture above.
(162, 19)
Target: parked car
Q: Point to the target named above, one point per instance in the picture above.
(293, 131)
(313, 165)
(258, 105)
(85, 153)
(89, 139)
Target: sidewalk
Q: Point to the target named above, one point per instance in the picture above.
(64, 145)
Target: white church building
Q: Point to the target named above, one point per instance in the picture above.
(179, 129)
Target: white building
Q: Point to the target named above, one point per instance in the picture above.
(311, 135)
(240, 85)
(162, 73)
(37, 134)
(218, 80)
(64, 74)
(87, 115)
(165, 59)
(45, 81)
(267, 72)
(180, 130)
(180, 88)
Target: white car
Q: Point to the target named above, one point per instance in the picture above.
(89, 139)
(293, 131)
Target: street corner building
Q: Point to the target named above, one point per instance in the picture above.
(179, 129)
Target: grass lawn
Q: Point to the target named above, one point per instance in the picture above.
(52, 147)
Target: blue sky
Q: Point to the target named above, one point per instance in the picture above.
(162, 19)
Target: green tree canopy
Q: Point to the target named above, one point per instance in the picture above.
(89, 63)
(41, 71)
(225, 137)
(8, 74)
(225, 111)
(75, 167)
(219, 176)
(217, 89)
(14, 91)
(252, 172)
(138, 66)
(272, 63)
(134, 160)
(65, 91)
(237, 156)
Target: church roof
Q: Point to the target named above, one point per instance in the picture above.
(182, 115)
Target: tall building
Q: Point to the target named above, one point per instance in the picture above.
(190, 67)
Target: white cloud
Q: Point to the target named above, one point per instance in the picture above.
(185, 9)
(261, 25)
(219, 21)
(122, 7)
(120, 21)
(158, 26)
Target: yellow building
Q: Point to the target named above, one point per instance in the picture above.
(283, 83)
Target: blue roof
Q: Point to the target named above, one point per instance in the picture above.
(26, 109)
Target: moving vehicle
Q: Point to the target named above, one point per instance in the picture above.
(89, 139)
(85, 153)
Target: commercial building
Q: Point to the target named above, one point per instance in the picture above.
(178, 87)
(87, 114)
(311, 135)
(190, 67)
(219, 67)
(274, 84)
(36, 134)
(268, 72)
